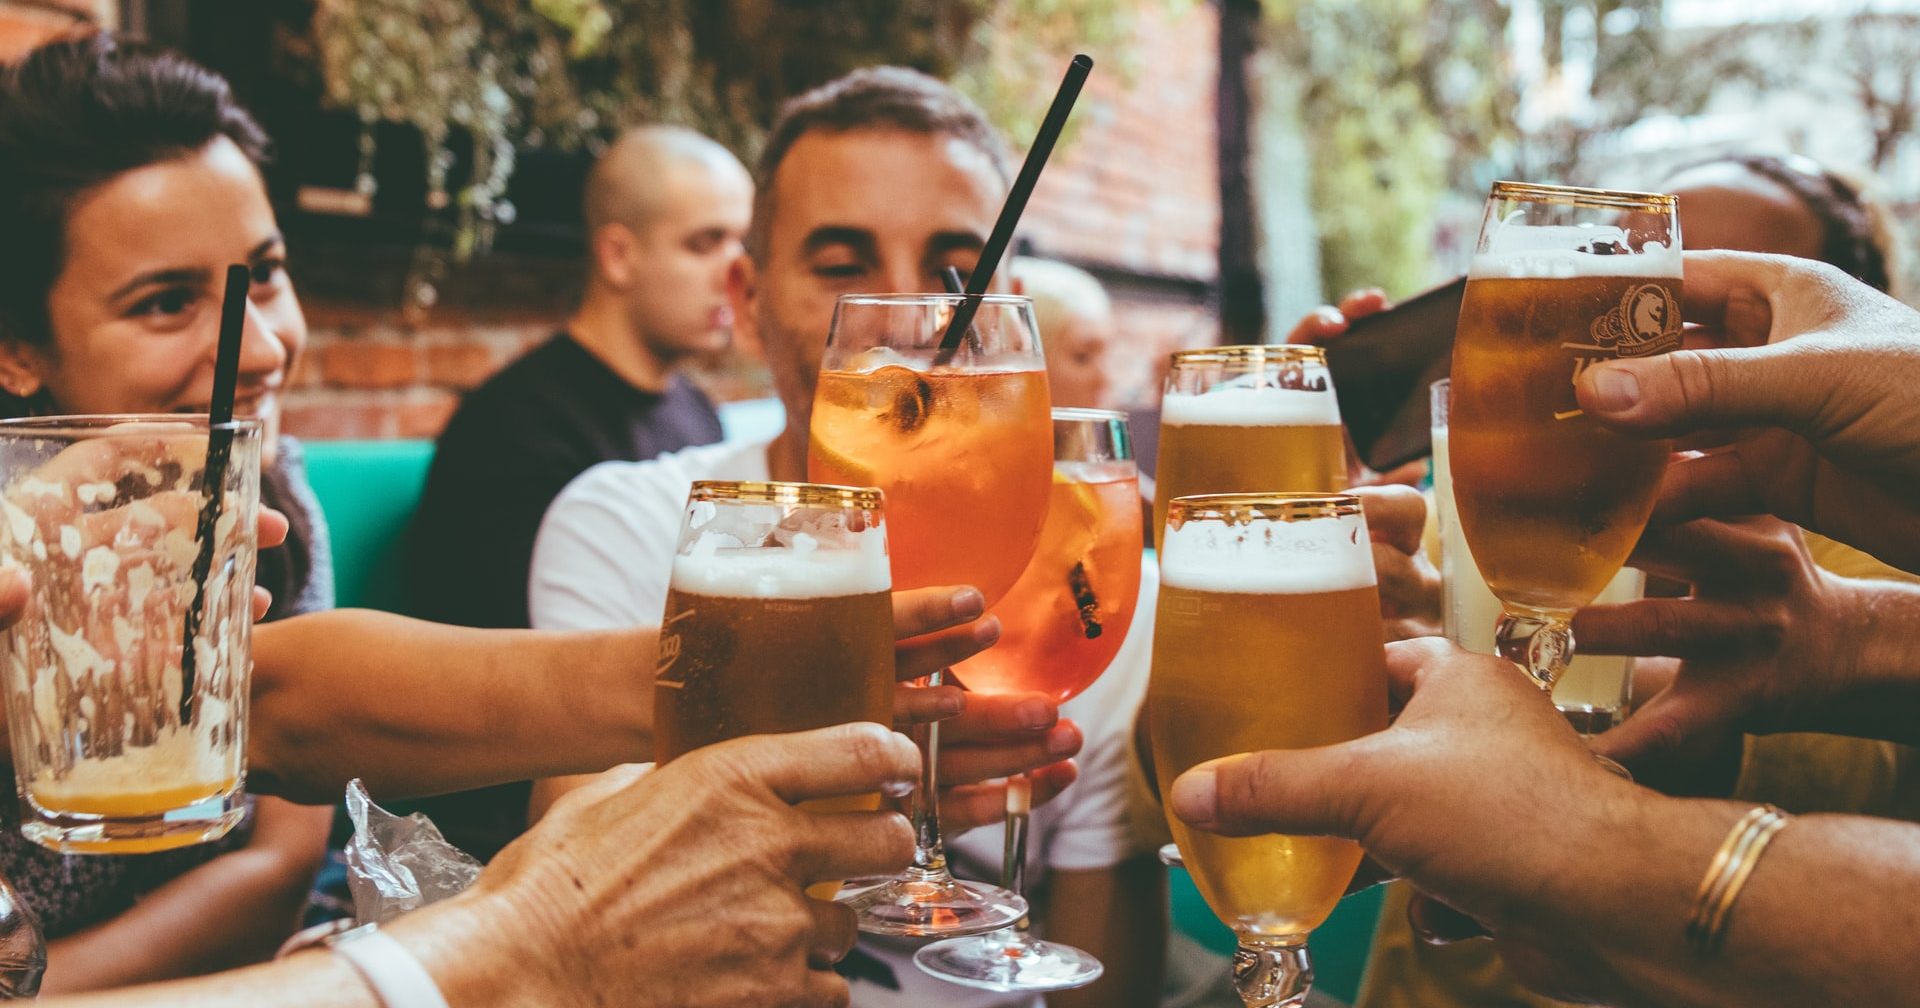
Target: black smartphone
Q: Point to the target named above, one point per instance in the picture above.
(1382, 366)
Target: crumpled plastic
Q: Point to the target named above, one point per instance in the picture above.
(23, 950)
(399, 863)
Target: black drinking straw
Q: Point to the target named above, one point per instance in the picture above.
(1016, 204)
(226, 374)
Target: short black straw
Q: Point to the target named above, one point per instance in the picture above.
(950, 275)
(1016, 204)
(226, 374)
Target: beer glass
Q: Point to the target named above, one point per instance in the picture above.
(779, 618)
(1267, 636)
(1248, 419)
(1550, 502)
(960, 440)
(122, 744)
(1060, 627)
(1594, 690)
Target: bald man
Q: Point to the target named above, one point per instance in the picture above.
(665, 209)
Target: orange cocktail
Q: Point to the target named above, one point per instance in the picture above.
(1070, 611)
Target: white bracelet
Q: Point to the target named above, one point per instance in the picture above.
(397, 978)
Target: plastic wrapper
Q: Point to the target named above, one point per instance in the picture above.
(399, 863)
(23, 950)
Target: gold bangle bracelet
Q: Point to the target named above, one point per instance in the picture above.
(1727, 875)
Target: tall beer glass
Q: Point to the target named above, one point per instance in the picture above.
(1061, 625)
(960, 441)
(1248, 419)
(1551, 503)
(778, 619)
(120, 744)
(1594, 690)
(1267, 637)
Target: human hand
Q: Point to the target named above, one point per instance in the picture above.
(1484, 821)
(683, 886)
(1409, 586)
(1330, 321)
(1815, 402)
(1767, 642)
(989, 737)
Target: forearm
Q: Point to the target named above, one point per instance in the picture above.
(454, 941)
(233, 910)
(1119, 915)
(417, 708)
(1826, 918)
(1876, 701)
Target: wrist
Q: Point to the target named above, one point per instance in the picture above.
(464, 945)
(1874, 675)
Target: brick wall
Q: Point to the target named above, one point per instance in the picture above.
(1134, 198)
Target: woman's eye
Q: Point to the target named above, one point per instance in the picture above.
(267, 271)
(164, 303)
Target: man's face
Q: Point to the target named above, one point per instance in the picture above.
(859, 212)
(677, 294)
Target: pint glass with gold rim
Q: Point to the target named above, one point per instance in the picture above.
(1248, 419)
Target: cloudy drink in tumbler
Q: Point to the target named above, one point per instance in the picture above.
(1267, 636)
(1248, 419)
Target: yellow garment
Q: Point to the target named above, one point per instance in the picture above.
(1799, 772)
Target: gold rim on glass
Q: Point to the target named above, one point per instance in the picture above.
(1242, 508)
(779, 492)
(1248, 356)
(1609, 199)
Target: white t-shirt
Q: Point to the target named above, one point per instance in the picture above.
(602, 559)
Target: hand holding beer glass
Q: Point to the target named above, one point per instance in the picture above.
(1550, 502)
(1267, 637)
(960, 441)
(1061, 624)
(103, 513)
(779, 618)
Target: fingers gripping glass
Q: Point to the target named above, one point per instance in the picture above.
(1063, 622)
(1550, 502)
(960, 441)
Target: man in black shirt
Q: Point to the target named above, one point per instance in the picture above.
(665, 209)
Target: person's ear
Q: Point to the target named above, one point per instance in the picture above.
(743, 296)
(615, 255)
(20, 368)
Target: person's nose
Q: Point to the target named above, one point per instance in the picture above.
(262, 354)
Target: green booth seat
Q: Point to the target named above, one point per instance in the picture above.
(1339, 946)
(369, 491)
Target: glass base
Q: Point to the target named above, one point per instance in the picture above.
(1272, 972)
(1008, 961)
(1171, 857)
(82, 833)
(924, 904)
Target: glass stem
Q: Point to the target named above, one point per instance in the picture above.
(1013, 861)
(1272, 972)
(929, 854)
(1540, 643)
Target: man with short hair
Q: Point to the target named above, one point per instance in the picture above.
(665, 209)
(876, 182)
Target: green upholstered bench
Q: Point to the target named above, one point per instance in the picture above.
(369, 491)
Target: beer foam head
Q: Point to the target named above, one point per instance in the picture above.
(793, 567)
(1247, 406)
(1268, 556)
(1536, 252)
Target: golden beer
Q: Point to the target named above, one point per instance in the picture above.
(1550, 502)
(778, 619)
(1248, 419)
(1554, 502)
(1267, 636)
